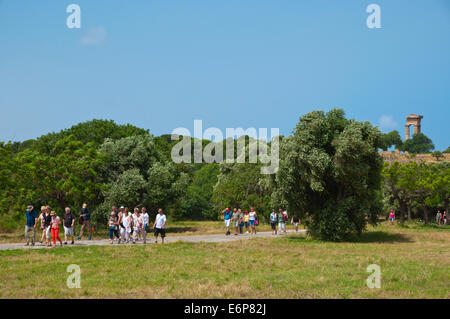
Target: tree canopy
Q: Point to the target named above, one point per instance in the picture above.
(418, 144)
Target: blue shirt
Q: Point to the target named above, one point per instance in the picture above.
(227, 215)
(31, 218)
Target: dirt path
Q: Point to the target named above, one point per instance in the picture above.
(150, 240)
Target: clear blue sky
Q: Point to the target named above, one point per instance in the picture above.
(231, 63)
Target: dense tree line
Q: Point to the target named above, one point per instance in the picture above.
(330, 173)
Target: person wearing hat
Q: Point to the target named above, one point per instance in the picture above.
(30, 226)
(55, 228)
(273, 221)
(113, 224)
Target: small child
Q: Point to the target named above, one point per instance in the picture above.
(391, 217)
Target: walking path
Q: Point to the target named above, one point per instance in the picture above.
(216, 238)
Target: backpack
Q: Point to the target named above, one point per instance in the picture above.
(285, 217)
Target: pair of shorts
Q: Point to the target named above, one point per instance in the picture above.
(161, 231)
(68, 231)
(391, 219)
(48, 232)
(251, 222)
(295, 224)
(227, 222)
(273, 225)
(236, 223)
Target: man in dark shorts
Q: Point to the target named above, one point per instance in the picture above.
(69, 222)
(85, 217)
(160, 225)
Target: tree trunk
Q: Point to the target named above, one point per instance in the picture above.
(402, 212)
(409, 213)
(425, 214)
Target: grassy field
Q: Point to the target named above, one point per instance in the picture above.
(414, 263)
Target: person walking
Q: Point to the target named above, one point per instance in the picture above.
(227, 219)
(47, 226)
(126, 226)
(438, 217)
(252, 219)
(138, 226)
(113, 224)
(246, 223)
(444, 218)
(273, 221)
(85, 218)
(120, 215)
(160, 225)
(69, 222)
(241, 221)
(146, 218)
(280, 221)
(285, 220)
(41, 219)
(32, 219)
(56, 221)
(295, 221)
(391, 217)
(235, 219)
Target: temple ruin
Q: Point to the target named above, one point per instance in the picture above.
(414, 120)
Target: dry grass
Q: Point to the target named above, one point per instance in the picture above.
(414, 264)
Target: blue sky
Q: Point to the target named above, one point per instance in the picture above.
(231, 63)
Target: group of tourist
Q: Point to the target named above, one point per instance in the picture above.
(441, 218)
(244, 219)
(132, 227)
(126, 227)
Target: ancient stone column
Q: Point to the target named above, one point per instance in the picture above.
(406, 132)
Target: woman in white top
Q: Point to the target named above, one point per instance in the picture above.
(252, 220)
(126, 222)
(138, 225)
(146, 218)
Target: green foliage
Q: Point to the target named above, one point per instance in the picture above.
(437, 154)
(447, 150)
(94, 131)
(68, 178)
(197, 204)
(242, 185)
(330, 171)
(391, 138)
(419, 144)
(426, 184)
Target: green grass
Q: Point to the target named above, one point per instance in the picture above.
(414, 264)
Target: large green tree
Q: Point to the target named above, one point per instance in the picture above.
(67, 178)
(391, 138)
(418, 144)
(330, 171)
